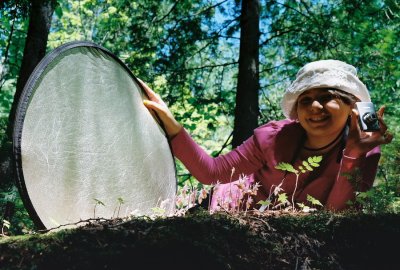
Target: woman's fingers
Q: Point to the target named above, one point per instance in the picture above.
(381, 111)
(383, 126)
(155, 106)
(152, 95)
(386, 136)
(360, 142)
(354, 127)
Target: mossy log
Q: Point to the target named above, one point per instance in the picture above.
(219, 241)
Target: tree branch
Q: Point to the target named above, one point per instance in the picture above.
(168, 13)
(204, 67)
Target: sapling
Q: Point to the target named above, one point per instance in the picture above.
(98, 202)
(282, 199)
(313, 201)
(307, 165)
(265, 204)
(120, 202)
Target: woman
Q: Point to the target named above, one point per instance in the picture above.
(322, 121)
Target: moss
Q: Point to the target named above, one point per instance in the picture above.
(219, 241)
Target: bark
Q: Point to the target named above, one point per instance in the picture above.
(40, 15)
(247, 110)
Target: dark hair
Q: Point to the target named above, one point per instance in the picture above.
(345, 97)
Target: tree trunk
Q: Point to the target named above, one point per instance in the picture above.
(40, 15)
(247, 111)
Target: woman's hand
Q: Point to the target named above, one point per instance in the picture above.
(360, 142)
(172, 127)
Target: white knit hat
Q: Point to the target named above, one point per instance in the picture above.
(323, 74)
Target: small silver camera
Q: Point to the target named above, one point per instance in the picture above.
(368, 118)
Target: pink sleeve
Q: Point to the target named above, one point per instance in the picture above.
(355, 174)
(246, 159)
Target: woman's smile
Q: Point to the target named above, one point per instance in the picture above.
(322, 115)
(319, 119)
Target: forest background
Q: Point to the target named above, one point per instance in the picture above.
(221, 66)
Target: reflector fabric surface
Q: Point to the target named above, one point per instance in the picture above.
(83, 137)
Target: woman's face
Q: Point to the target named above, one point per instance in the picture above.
(321, 113)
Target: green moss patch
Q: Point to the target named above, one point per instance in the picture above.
(220, 241)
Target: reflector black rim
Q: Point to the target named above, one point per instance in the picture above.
(22, 107)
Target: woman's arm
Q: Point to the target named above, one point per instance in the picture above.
(172, 127)
(359, 163)
(245, 159)
(355, 174)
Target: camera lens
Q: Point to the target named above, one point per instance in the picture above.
(370, 118)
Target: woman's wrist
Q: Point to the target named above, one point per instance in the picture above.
(352, 153)
(173, 129)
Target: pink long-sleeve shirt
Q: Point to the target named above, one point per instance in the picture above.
(275, 142)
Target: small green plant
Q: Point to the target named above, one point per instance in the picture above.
(378, 199)
(97, 202)
(158, 211)
(264, 204)
(383, 197)
(307, 165)
(313, 201)
(20, 222)
(283, 199)
(162, 208)
(120, 203)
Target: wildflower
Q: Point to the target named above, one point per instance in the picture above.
(185, 189)
(179, 202)
(202, 195)
(241, 185)
(165, 204)
(255, 188)
(249, 202)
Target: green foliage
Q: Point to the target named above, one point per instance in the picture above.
(286, 167)
(120, 203)
(283, 198)
(264, 202)
(188, 50)
(307, 165)
(97, 202)
(6, 98)
(12, 41)
(381, 198)
(20, 222)
(313, 201)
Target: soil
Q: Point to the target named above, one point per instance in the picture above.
(198, 240)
